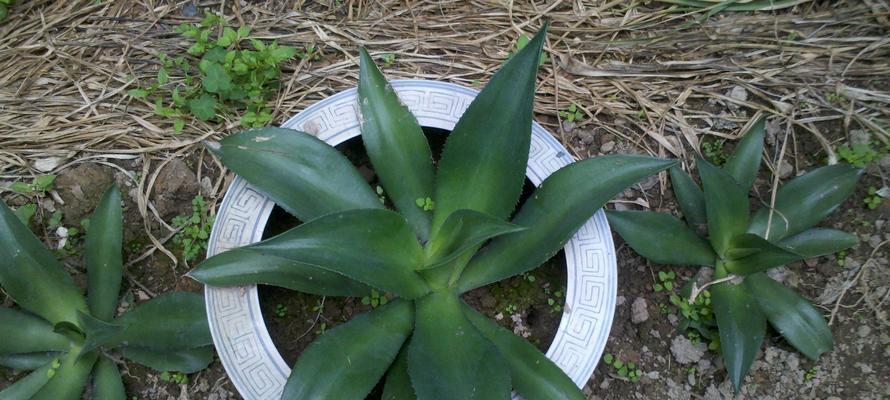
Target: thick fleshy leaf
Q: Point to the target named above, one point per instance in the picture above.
(375, 247)
(348, 361)
(483, 163)
(792, 316)
(107, 384)
(741, 324)
(21, 332)
(243, 266)
(398, 382)
(69, 380)
(396, 145)
(183, 360)
(554, 212)
(32, 276)
(462, 231)
(745, 160)
(102, 253)
(661, 238)
(25, 388)
(304, 175)
(28, 361)
(726, 205)
(689, 197)
(819, 242)
(168, 322)
(804, 201)
(446, 353)
(535, 377)
(749, 253)
(495, 373)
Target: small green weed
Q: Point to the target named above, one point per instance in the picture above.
(714, 150)
(375, 299)
(309, 53)
(834, 98)
(226, 78)
(810, 373)
(873, 200)
(4, 8)
(280, 310)
(175, 377)
(381, 195)
(627, 370)
(194, 229)
(521, 42)
(858, 155)
(26, 212)
(666, 281)
(388, 59)
(322, 328)
(427, 204)
(841, 258)
(555, 299)
(697, 319)
(39, 185)
(572, 113)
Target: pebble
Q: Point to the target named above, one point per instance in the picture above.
(686, 352)
(607, 147)
(863, 331)
(639, 311)
(620, 300)
(738, 93)
(785, 170)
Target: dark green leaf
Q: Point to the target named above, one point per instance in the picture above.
(304, 175)
(396, 145)
(170, 321)
(183, 360)
(348, 361)
(102, 254)
(69, 380)
(25, 388)
(484, 160)
(661, 238)
(32, 276)
(793, 316)
(461, 232)
(689, 197)
(819, 242)
(243, 266)
(398, 382)
(107, 384)
(25, 213)
(446, 353)
(28, 361)
(25, 333)
(554, 212)
(375, 247)
(745, 160)
(203, 107)
(749, 253)
(535, 377)
(741, 325)
(804, 201)
(726, 204)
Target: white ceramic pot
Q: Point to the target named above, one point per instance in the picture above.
(253, 363)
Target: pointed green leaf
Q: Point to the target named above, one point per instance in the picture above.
(483, 163)
(535, 377)
(97, 333)
(170, 321)
(183, 360)
(555, 211)
(243, 266)
(32, 276)
(25, 333)
(398, 382)
(28, 361)
(792, 316)
(745, 160)
(494, 375)
(804, 201)
(27, 387)
(304, 175)
(375, 247)
(396, 145)
(749, 253)
(726, 205)
(348, 361)
(689, 197)
(819, 242)
(461, 232)
(102, 253)
(446, 353)
(107, 384)
(661, 238)
(69, 380)
(741, 325)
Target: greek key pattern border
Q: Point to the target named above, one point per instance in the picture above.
(244, 346)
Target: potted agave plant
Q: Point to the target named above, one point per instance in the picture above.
(426, 343)
(740, 247)
(65, 338)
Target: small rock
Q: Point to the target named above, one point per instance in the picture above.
(620, 300)
(863, 331)
(860, 137)
(739, 93)
(142, 296)
(654, 375)
(686, 352)
(607, 147)
(639, 311)
(874, 241)
(648, 183)
(175, 187)
(885, 162)
(785, 170)
(80, 189)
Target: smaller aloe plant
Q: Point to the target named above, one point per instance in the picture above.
(65, 338)
(741, 247)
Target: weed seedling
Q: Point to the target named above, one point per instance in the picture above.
(175, 377)
(280, 310)
(521, 42)
(388, 59)
(194, 229)
(858, 155)
(427, 204)
(810, 374)
(628, 370)
(873, 200)
(38, 185)
(666, 281)
(375, 299)
(841, 258)
(572, 113)
(713, 150)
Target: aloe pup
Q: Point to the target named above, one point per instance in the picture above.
(740, 246)
(66, 338)
(427, 343)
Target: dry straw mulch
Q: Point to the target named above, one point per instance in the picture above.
(644, 71)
